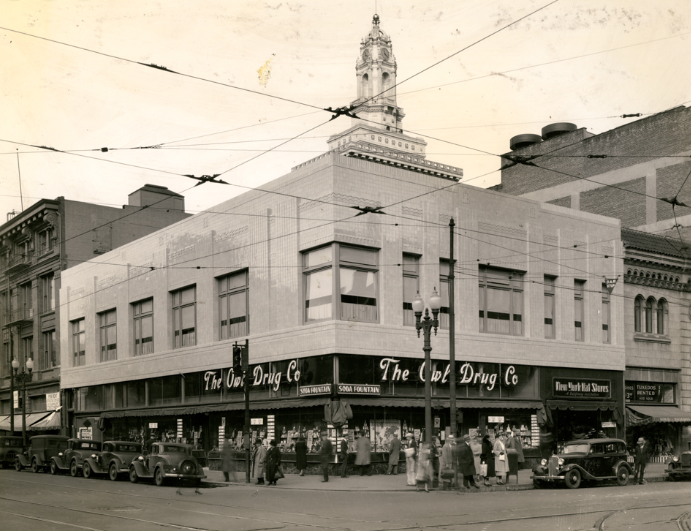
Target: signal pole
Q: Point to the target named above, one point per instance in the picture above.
(241, 363)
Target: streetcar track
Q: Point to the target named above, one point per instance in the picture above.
(681, 519)
(29, 517)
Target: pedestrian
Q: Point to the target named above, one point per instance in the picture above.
(259, 461)
(363, 458)
(301, 455)
(466, 463)
(517, 445)
(476, 447)
(640, 458)
(501, 464)
(410, 459)
(487, 460)
(436, 454)
(447, 474)
(325, 454)
(423, 474)
(343, 457)
(394, 453)
(227, 454)
(273, 463)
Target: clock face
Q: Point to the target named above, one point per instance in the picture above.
(384, 53)
(366, 55)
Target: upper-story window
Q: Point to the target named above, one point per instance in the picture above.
(501, 301)
(233, 293)
(649, 310)
(109, 340)
(47, 293)
(356, 276)
(184, 317)
(46, 241)
(638, 313)
(606, 315)
(549, 307)
(51, 357)
(411, 285)
(650, 316)
(78, 342)
(578, 309)
(444, 269)
(662, 316)
(143, 327)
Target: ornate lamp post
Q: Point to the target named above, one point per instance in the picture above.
(426, 324)
(22, 379)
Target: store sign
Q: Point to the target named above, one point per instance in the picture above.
(358, 389)
(85, 433)
(495, 420)
(52, 401)
(649, 392)
(257, 422)
(261, 376)
(309, 390)
(468, 374)
(581, 388)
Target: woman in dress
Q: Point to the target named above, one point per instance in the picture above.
(487, 458)
(273, 461)
(424, 472)
(476, 448)
(301, 455)
(410, 458)
(501, 463)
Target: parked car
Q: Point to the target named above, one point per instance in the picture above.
(585, 460)
(72, 458)
(10, 448)
(167, 461)
(679, 467)
(115, 458)
(41, 450)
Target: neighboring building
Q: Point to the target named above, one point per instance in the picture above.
(324, 298)
(36, 246)
(620, 173)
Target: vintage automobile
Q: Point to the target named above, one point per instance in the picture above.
(41, 450)
(10, 448)
(167, 461)
(115, 458)
(72, 458)
(585, 460)
(679, 467)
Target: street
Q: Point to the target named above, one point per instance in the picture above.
(43, 502)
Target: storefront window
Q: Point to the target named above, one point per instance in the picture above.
(316, 370)
(205, 386)
(90, 398)
(650, 392)
(136, 393)
(486, 382)
(164, 391)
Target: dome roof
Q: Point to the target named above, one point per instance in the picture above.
(376, 33)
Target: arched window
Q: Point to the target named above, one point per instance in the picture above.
(385, 84)
(661, 312)
(638, 314)
(649, 305)
(365, 87)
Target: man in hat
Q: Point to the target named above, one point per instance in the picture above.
(394, 452)
(466, 463)
(640, 458)
(325, 453)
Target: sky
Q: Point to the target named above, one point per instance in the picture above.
(582, 61)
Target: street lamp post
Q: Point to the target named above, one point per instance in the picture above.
(22, 379)
(426, 324)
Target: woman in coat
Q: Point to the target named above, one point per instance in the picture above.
(259, 462)
(501, 461)
(227, 454)
(363, 458)
(476, 447)
(273, 461)
(487, 458)
(446, 459)
(301, 455)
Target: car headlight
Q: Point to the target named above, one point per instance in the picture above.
(675, 459)
(141, 458)
(60, 454)
(93, 456)
(543, 462)
(561, 461)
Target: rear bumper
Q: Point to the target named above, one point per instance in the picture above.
(548, 478)
(183, 476)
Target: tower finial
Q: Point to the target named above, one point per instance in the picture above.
(375, 20)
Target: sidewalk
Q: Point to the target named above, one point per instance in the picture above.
(383, 483)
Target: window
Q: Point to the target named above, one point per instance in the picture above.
(637, 314)
(46, 241)
(234, 303)
(50, 351)
(48, 293)
(444, 267)
(578, 292)
(501, 301)
(109, 343)
(28, 348)
(549, 308)
(184, 317)
(356, 277)
(661, 312)
(606, 337)
(6, 358)
(411, 285)
(649, 305)
(144, 327)
(78, 343)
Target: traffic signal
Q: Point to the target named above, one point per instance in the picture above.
(246, 356)
(237, 358)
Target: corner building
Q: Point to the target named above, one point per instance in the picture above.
(324, 298)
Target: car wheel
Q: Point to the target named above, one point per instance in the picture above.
(18, 465)
(54, 468)
(158, 477)
(134, 478)
(113, 472)
(573, 478)
(622, 476)
(86, 470)
(74, 471)
(34, 466)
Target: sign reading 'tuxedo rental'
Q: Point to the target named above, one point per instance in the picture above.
(468, 374)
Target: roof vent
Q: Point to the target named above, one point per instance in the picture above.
(552, 130)
(521, 141)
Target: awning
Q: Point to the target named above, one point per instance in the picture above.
(581, 406)
(30, 419)
(639, 415)
(212, 408)
(51, 422)
(379, 401)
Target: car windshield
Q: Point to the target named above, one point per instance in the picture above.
(576, 449)
(175, 449)
(90, 445)
(9, 441)
(128, 448)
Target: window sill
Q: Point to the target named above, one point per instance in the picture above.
(651, 338)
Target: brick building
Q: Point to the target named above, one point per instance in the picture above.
(36, 247)
(632, 173)
(324, 298)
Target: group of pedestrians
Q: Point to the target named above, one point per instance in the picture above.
(265, 462)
